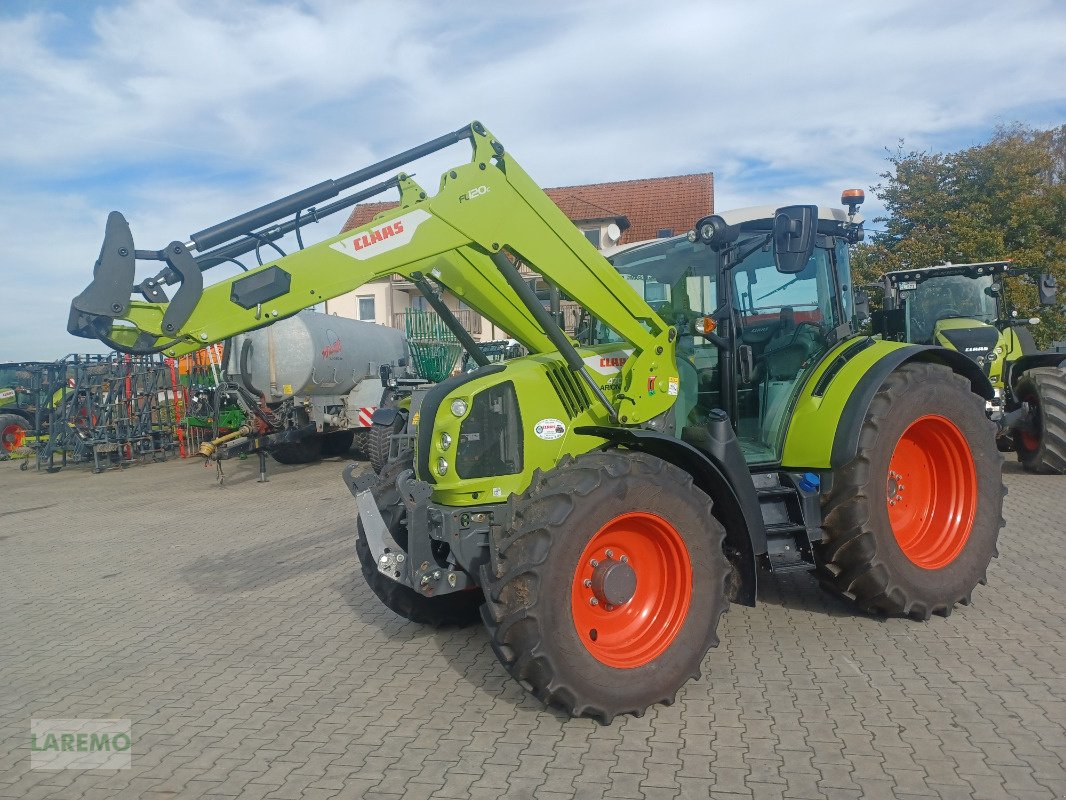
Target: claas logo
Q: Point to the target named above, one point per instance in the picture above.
(613, 361)
(377, 235)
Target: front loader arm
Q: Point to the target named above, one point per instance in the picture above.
(483, 208)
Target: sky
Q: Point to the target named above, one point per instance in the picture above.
(183, 114)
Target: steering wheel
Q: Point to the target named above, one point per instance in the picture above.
(948, 312)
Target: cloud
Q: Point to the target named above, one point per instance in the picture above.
(184, 113)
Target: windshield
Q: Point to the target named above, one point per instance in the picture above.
(945, 296)
(762, 293)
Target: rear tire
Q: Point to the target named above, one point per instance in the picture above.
(1044, 388)
(304, 452)
(13, 432)
(912, 520)
(457, 608)
(571, 531)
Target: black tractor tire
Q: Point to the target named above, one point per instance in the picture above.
(338, 443)
(377, 442)
(360, 437)
(902, 560)
(446, 610)
(302, 452)
(1044, 388)
(569, 651)
(13, 430)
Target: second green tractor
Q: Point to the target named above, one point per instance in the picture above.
(964, 307)
(599, 502)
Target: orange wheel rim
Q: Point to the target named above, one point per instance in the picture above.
(632, 589)
(12, 437)
(932, 492)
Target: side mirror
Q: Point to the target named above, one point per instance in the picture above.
(794, 229)
(1047, 287)
(862, 306)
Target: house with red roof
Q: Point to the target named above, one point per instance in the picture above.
(609, 214)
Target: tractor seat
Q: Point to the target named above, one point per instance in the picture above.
(788, 348)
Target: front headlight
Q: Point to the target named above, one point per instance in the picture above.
(458, 407)
(442, 466)
(445, 441)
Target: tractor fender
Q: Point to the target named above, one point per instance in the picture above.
(385, 415)
(19, 412)
(846, 440)
(1015, 369)
(721, 472)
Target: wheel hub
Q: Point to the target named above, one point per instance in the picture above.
(895, 488)
(614, 582)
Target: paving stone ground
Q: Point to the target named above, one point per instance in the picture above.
(232, 626)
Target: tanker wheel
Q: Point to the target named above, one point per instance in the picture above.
(457, 608)
(303, 452)
(377, 441)
(1043, 448)
(338, 443)
(912, 520)
(12, 432)
(607, 592)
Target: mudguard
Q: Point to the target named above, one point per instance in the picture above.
(719, 471)
(823, 432)
(1015, 369)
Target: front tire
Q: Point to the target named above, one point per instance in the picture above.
(457, 608)
(1044, 449)
(912, 520)
(607, 591)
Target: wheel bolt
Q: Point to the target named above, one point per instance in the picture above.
(609, 554)
(594, 563)
(624, 559)
(609, 607)
(588, 583)
(593, 601)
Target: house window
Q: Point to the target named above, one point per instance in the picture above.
(593, 236)
(366, 308)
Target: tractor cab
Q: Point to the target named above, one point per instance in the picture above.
(953, 305)
(750, 334)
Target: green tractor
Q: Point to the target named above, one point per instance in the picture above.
(599, 503)
(963, 307)
(18, 412)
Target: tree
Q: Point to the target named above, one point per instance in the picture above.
(1005, 199)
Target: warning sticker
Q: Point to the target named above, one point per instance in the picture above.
(672, 386)
(549, 429)
(287, 388)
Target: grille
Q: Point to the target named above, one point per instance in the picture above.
(570, 389)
